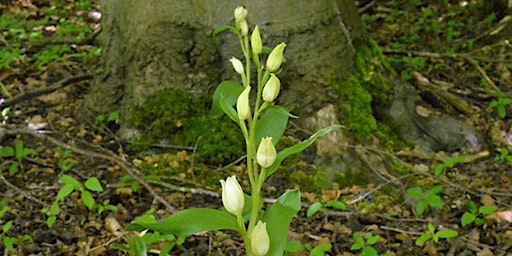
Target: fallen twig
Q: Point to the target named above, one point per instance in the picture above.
(35, 93)
(109, 157)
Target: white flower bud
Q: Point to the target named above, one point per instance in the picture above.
(275, 58)
(266, 153)
(240, 13)
(260, 242)
(237, 65)
(244, 27)
(242, 104)
(232, 195)
(271, 89)
(256, 44)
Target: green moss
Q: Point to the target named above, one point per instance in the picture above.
(309, 181)
(175, 117)
(364, 93)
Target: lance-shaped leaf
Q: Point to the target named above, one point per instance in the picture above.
(227, 90)
(189, 222)
(272, 124)
(299, 147)
(278, 219)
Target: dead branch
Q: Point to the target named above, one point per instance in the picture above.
(36, 93)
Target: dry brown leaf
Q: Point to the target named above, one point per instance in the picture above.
(485, 252)
(501, 216)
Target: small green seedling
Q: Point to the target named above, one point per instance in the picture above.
(426, 198)
(365, 244)
(500, 104)
(435, 236)
(8, 241)
(476, 215)
(138, 245)
(504, 156)
(105, 206)
(19, 152)
(71, 184)
(448, 163)
(315, 207)
(318, 250)
(101, 123)
(65, 161)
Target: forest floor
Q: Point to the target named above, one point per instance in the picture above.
(75, 176)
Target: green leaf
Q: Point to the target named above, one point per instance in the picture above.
(320, 250)
(439, 169)
(51, 220)
(314, 208)
(451, 162)
(7, 226)
(369, 251)
(9, 242)
(230, 91)
(299, 147)
(446, 233)
(472, 207)
(423, 239)
(467, 218)
(421, 206)
(66, 179)
(229, 110)
(435, 201)
(435, 190)
(338, 205)
(431, 228)
(272, 124)
(293, 246)
(486, 210)
(416, 192)
(278, 219)
(13, 168)
(371, 240)
(137, 246)
(93, 184)
(189, 222)
(88, 199)
(358, 242)
(64, 191)
(6, 151)
(223, 28)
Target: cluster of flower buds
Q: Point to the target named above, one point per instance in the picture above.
(233, 201)
(240, 22)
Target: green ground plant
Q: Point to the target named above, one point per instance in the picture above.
(86, 189)
(138, 244)
(448, 163)
(19, 152)
(262, 124)
(476, 214)
(426, 198)
(431, 234)
(65, 163)
(365, 244)
(317, 206)
(504, 156)
(501, 104)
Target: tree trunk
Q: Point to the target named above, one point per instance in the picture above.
(161, 54)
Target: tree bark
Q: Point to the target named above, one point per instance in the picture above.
(151, 46)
